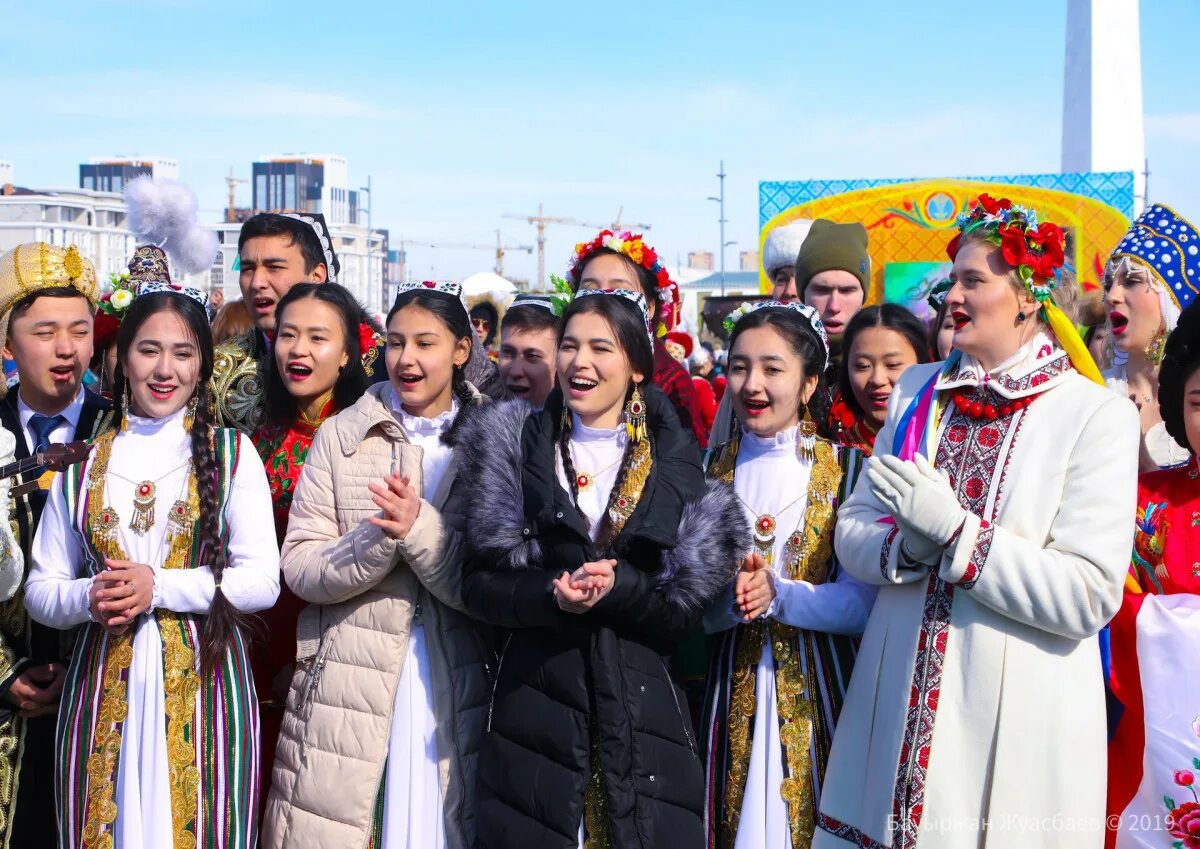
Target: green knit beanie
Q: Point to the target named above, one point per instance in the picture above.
(831, 246)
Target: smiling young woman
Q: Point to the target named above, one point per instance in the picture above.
(317, 368)
(155, 546)
(993, 517)
(387, 699)
(880, 343)
(597, 547)
(785, 622)
(1146, 283)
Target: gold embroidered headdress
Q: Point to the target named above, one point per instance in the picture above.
(33, 266)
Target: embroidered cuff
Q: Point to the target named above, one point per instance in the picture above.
(967, 555)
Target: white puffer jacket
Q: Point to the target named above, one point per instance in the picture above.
(364, 589)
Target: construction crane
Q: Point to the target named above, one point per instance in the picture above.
(232, 182)
(500, 248)
(541, 220)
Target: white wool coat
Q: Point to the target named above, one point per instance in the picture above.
(998, 644)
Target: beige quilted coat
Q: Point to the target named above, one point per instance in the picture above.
(364, 589)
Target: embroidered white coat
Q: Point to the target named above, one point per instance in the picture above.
(999, 646)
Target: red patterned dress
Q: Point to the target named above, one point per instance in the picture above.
(849, 430)
(1154, 755)
(283, 451)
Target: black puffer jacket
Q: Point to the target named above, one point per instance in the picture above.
(676, 552)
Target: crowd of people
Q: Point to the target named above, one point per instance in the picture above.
(566, 576)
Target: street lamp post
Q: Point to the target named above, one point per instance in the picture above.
(720, 199)
(370, 232)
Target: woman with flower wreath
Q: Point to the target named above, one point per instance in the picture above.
(785, 624)
(1154, 755)
(1146, 283)
(324, 342)
(625, 261)
(598, 546)
(994, 518)
(155, 546)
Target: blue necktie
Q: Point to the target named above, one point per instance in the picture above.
(40, 427)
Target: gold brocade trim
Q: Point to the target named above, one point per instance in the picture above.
(631, 488)
(180, 681)
(795, 697)
(237, 384)
(597, 834)
(10, 739)
(743, 704)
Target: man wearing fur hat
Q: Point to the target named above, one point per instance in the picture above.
(833, 273)
(780, 249)
(47, 298)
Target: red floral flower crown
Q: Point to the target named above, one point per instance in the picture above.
(1035, 250)
(633, 246)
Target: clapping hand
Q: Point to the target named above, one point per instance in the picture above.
(400, 504)
(754, 588)
(579, 592)
(922, 502)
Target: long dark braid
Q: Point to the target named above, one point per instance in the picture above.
(223, 617)
(466, 399)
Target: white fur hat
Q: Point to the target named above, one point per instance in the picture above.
(782, 244)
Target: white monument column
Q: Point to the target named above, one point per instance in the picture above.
(1103, 126)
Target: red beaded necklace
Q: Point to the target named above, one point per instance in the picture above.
(977, 409)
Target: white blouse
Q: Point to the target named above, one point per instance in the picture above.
(56, 594)
(426, 434)
(596, 452)
(771, 478)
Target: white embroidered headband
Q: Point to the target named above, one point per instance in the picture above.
(813, 317)
(637, 298)
(445, 287)
(154, 286)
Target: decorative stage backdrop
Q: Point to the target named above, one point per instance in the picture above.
(910, 222)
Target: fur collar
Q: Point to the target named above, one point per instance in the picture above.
(711, 538)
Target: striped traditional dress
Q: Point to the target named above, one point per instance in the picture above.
(152, 753)
(777, 684)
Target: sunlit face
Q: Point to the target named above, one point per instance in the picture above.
(310, 349)
(783, 284)
(1133, 308)
(270, 266)
(983, 305)
(945, 336)
(162, 367)
(421, 357)
(837, 295)
(767, 382)
(594, 370)
(610, 271)
(51, 343)
(1191, 410)
(875, 361)
(527, 363)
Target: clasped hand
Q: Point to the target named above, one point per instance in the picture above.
(400, 504)
(581, 590)
(753, 588)
(121, 593)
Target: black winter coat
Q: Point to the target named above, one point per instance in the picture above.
(676, 552)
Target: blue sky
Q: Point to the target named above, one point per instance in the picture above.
(474, 110)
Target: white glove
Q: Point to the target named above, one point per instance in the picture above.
(920, 499)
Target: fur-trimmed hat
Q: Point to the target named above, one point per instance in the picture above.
(782, 245)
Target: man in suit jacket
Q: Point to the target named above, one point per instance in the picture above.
(47, 299)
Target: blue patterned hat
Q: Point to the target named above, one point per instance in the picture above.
(1163, 241)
